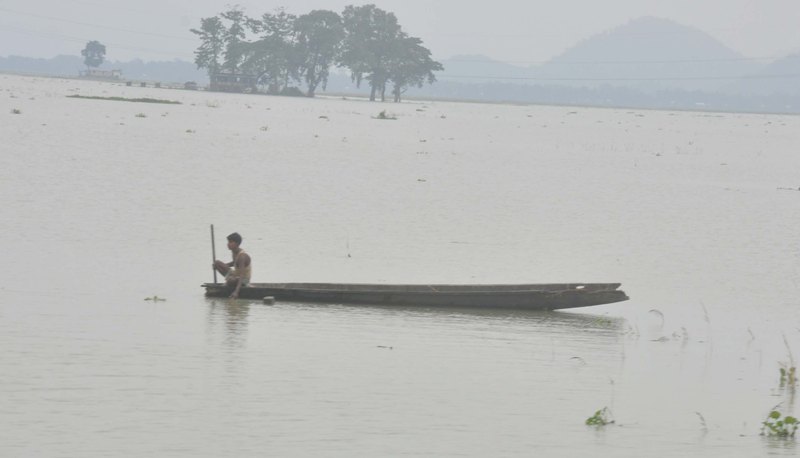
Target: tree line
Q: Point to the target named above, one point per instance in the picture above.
(279, 49)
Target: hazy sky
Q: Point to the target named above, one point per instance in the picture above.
(519, 31)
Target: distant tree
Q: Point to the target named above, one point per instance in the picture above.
(411, 65)
(366, 50)
(273, 57)
(235, 35)
(364, 39)
(212, 35)
(93, 54)
(319, 37)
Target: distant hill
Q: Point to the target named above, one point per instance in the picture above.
(779, 77)
(649, 54)
(469, 68)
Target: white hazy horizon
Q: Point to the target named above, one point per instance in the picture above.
(512, 31)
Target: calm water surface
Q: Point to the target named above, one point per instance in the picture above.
(102, 208)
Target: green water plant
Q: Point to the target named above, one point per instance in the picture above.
(788, 369)
(141, 115)
(788, 376)
(600, 418)
(777, 425)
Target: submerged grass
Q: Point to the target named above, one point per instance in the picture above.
(123, 99)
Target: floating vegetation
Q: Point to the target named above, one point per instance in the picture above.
(123, 99)
(264, 128)
(141, 115)
(155, 299)
(788, 376)
(600, 418)
(16, 111)
(190, 131)
(383, 115)
(788, 369)
(777, 426)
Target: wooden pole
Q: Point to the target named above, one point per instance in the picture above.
(213, 255)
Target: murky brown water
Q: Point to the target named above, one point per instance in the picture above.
(101, 208)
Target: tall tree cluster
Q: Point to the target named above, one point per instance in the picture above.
(93, 54)
(279, 49)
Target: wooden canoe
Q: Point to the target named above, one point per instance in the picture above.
(532, 296)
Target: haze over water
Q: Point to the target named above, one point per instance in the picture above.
(106, 203)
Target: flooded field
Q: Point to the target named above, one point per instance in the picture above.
(105, 203)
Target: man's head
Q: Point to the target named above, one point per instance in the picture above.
(234, 240)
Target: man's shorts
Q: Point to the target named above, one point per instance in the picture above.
(231, 277)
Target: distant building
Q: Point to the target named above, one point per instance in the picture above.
(102, 74)
(232, 82)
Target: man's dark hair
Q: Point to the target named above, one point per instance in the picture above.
(235, 237)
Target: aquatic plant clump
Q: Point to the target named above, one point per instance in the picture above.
(788, 377)
(383, 115)
(600, 418)
(123, 99)
(776, 426)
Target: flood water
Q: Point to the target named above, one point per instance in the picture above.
(104, 204)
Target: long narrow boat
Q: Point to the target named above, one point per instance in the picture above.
(532, 296)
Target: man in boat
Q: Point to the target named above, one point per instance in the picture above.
(237, 273)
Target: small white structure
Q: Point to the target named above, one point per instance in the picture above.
(96, 73)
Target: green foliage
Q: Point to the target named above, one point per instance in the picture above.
(600, 418)
(788, 369)
(776, 426)
(319, 41)
(93, 54)
(788, 376)
(411, 65)
(212, 36)
(279, 48)
(273, 57)
(370, 36)
(235, 35)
